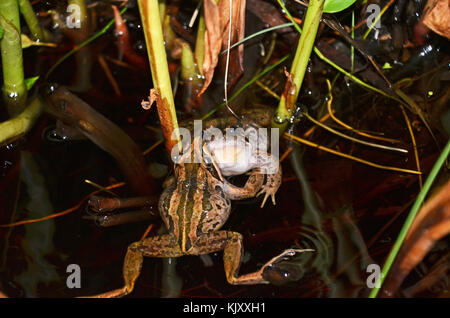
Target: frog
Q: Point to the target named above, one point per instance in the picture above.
(195, 204)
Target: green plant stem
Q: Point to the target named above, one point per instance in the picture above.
(27, 11)
(354, 78)
(304, 48)
(10, 11)
(340, 69)
(188, 69)
(154, 39)
(14, 88)
(162, 9)
(22, 123)
(199, 52)
(412, 214)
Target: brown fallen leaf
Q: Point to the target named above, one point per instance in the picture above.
(430, 225)
(153, 97)
(436, 16)
(439, 272)
(217, 19)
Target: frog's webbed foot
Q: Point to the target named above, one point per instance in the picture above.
(277, 273)
(286, 253)
(231, 243)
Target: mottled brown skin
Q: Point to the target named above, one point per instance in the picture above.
(194, 205)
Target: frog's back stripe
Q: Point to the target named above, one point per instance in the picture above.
(198, 196)
(187, 208)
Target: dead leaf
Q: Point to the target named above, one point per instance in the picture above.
(436, 16)
(430, 225)
(217, 20)
(153, 97)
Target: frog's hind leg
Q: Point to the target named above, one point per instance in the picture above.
(157, 246)
(231, 244)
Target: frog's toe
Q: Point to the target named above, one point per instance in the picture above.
(286, 254)
(268, 192)
(264, 200)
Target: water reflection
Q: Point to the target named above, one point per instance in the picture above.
(37, 241)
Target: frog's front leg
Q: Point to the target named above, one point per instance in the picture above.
(255, 186)
(157, 246)
(231, 244)
(249, 190)
(270, 166)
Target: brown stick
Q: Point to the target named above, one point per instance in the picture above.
(73, 111)
(103, 204)
(122, 218)
(431, 224)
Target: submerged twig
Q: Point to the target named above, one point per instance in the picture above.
(311, 144)
(268, 90)
(331, 113)
(109, 75)
(58, 214)
(96, 185)
(100, 204)
(313, 128)
(370, 144)
(121, 218)
(413, 140)
(108, 136)
(416, 109)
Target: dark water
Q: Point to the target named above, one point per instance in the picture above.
(349, 213)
